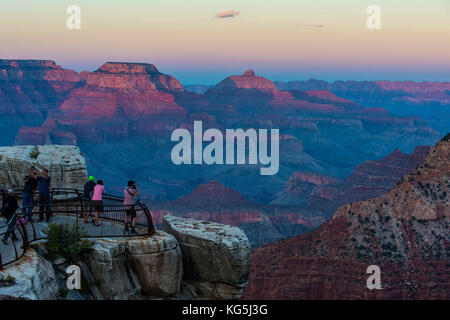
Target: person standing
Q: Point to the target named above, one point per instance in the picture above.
(128, 204)
(97, 201)
(9, 207)
(87, 198)
(45, 183)
(30, 185)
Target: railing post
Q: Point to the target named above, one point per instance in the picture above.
(150, 226)
(25, 236)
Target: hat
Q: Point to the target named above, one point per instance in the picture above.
(91, 178)
(131, 182)
(10, 191)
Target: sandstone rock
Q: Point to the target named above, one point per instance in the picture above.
(213, 253)
(157, 261)
(35, 279)
(66, 165)
(211, 290)
(109, 265)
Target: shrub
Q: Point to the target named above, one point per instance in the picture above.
(7, 281)
(34, 153)
(63, 292)
(64, 240)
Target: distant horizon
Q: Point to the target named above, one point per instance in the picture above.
(186, 76)
(202, 42)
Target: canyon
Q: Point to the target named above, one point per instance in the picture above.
(357, 183)
(121, 117)
(102, 111)
(405, 232)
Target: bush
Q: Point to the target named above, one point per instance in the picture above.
(64, 240)
(62, 293)
(34, 153)
(7, 281)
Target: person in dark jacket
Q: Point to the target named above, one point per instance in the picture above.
(9, 208)
(45, 185)
(87, 197)
(30, 185)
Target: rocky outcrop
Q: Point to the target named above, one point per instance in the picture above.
(108, 263)
(212, 261)
(405, 232)
(216, 258)
(157, 261)
(35, 279)
(66, 165)
(137, 267)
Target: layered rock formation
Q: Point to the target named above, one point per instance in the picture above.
(35, 279)
(116, 101)
(262, 223)
(405, 232)
(193, 260)
(66, 165)
(216, 258)
(102, 111)
(403, 97)
(370, 179)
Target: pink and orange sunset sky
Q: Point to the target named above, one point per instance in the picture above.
(203, 41)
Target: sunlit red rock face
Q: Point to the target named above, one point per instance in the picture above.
(406, 232)
(30, 88)
(248, 90)
(116, 101)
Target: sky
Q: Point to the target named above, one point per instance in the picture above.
(203, 41)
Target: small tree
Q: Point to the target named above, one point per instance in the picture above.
(65, 240)
(34, 153)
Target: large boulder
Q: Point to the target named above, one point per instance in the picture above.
(216, 257)
(35, 279)
(66, 165)
(157, 261)
(108, 263)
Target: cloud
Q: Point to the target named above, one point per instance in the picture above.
(227, 14)
(314, 25)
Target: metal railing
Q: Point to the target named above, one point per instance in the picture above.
(67, 206)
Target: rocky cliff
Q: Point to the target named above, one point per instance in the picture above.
(405, 232)
(369, 179)
(216, 258)
(66, 165)
(102, 111)
(192, 260)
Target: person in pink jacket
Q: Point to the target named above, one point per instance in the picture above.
(97, 201)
